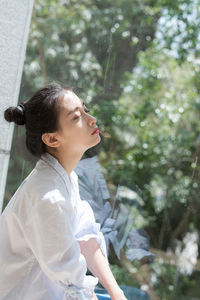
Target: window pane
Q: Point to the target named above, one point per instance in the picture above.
(135, 64)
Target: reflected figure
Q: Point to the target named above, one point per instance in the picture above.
(116, 221)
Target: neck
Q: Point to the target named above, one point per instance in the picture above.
(68, 161)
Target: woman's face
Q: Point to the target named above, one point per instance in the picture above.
(76, 126)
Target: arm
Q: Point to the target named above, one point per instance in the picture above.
(50, 235)
(94, 297)
(99, 267)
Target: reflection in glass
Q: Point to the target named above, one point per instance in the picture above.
(135, 64)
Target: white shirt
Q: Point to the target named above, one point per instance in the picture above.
(40, 256)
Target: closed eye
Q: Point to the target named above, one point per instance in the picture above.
(77, 117)
(85, 110)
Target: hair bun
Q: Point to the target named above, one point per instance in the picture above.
(15, 114)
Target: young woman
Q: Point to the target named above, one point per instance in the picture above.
(48, 235)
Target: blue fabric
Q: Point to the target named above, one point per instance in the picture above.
(130, 292)
(115, 221)
(103, 297)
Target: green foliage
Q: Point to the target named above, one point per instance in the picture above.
(136, 65)
(123, 277)
(169, 284)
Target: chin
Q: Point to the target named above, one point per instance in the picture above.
(98, 140)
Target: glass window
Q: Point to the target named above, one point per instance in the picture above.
(136, 66)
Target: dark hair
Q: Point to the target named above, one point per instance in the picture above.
(39, 114)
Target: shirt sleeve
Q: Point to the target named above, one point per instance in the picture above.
(50, 235)
(87, 226)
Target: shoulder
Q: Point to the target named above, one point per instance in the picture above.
(44, 182)
(43, 190)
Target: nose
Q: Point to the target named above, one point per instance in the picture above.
(91, 120)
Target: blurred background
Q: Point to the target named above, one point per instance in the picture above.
(136, 65)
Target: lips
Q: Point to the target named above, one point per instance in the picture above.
(96, 130)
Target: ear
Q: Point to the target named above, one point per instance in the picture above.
(50, 139)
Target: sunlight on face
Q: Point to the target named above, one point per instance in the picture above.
(76, 126)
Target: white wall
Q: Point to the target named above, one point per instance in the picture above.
(15, 16)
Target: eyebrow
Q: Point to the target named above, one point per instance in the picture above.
(75, 109)
(72, 111)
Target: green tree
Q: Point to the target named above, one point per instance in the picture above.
(136, 64)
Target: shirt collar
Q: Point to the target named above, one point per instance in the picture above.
(54, 163)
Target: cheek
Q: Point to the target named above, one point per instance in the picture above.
(72, 132)
(74, 129)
